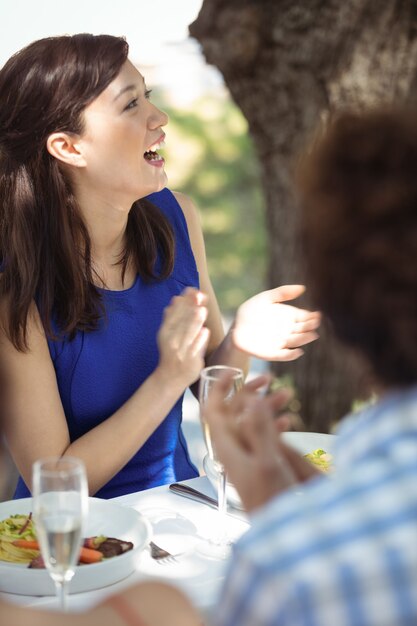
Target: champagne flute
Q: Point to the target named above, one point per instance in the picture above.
(219, 545)
(60, 501)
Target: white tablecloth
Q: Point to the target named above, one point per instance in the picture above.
(179, 525)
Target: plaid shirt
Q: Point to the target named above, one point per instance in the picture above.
(344, 552)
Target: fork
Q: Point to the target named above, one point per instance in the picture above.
(160, 555)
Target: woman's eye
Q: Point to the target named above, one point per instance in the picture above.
(132, 104)
(148, 93)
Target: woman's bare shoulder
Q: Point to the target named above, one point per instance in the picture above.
(35, 333)
(188, 207)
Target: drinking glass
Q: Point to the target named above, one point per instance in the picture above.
(219, 545)
(60, 501)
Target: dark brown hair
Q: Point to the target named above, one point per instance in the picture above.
(359, 233)
(44, 244)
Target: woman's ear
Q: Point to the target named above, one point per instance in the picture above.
(65, 148)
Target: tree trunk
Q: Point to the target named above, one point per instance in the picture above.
(288, 64)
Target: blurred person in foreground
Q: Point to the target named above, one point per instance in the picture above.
(344, 551)
(107, 312)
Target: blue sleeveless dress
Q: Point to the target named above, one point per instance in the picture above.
(98, 371)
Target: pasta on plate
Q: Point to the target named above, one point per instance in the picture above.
(14, 528)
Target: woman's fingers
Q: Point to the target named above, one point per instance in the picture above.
(258, 382)
(199, 345)
(218, 416)
(278, 400)
(195, 296)
(295, 340)
(286, 354)
(285, 292)
(247, 407)
(244, 436)
(188, 330)
(183, 320)
(259, 432)
(267, 328)
(283, 422)
(255, 424)
(182, 309)
(306, 321)
(183, 337)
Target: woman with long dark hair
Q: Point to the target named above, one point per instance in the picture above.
(107, 311)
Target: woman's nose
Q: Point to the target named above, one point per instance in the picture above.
(158, 118)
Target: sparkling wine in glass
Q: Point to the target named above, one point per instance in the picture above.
(60, 501)
(219, 544)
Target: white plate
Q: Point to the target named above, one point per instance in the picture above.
(104, 518)
(304, 442)
(307, 442)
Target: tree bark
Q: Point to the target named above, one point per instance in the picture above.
(288, 64)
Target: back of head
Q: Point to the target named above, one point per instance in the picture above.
(359, 231)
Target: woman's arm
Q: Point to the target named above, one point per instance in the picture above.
(221, 348)
(263, 326)
(34, 419)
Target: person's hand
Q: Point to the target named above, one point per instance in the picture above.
(246, 437)
(267, 329)
(182, 338)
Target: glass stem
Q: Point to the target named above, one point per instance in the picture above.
(222, 507)
(61, 587)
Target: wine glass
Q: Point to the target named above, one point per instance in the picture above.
(219, 545)
(60, 501)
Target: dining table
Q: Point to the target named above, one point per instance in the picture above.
(179, 525)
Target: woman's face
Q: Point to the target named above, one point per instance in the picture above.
(123, 130)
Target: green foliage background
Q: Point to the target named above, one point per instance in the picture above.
(210, 157)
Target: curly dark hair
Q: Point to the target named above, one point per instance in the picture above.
(358, 187)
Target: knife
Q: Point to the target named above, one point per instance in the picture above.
(193, 494)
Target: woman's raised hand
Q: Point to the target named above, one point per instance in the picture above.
(267, 329)
(182, 337)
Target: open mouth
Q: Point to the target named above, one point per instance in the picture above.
(152, 153)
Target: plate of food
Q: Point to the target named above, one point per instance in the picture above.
(316, 447)
(121, 533)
